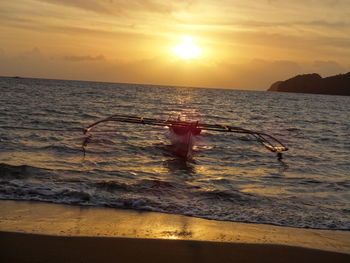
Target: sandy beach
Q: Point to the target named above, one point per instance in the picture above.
(40, 232)
(19, 247)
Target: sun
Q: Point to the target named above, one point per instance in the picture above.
(187, 49)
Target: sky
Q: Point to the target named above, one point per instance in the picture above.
(243, 44)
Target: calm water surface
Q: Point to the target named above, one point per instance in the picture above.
(231, 177)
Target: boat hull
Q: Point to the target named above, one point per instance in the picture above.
(183, 139)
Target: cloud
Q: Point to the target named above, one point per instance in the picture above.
(84, 58)
(324, 23)
(310, 23)
(252, 23)
(256, 74)
(292, 37)
(123, 6)
(33, 53)
(327, 68)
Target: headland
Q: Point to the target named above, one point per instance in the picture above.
(315, 84)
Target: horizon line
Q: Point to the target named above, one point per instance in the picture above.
(132, 83)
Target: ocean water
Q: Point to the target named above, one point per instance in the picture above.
(230, 177)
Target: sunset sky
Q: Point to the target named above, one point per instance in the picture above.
(242, 44)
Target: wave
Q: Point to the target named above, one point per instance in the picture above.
(231, 177)
(30, 183)
(16, 171)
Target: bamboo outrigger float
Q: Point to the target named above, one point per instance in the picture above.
(184, 133)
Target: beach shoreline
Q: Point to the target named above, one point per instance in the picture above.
(44, 232)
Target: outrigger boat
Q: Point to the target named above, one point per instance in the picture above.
(183, 134)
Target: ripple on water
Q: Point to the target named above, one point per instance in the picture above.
(230, 177)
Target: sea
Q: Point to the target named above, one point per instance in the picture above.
(231, 177)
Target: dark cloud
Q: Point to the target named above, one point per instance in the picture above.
(122, 6)
(84, 58)
(324, 23)
(36, 25)
(30, 54)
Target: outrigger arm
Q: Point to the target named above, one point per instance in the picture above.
(268, 141)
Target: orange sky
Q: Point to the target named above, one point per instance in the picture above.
(245, 44)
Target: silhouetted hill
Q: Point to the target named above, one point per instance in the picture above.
(314, 83)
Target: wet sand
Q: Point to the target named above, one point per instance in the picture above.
(40, 232)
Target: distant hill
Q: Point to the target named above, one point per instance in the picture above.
(314, 83)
